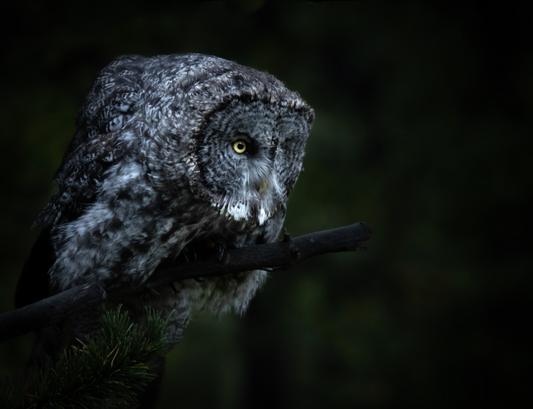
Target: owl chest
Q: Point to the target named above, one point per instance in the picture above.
(200, 226)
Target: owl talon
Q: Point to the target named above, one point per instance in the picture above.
(198, 280)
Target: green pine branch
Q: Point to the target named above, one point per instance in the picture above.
(106, 371)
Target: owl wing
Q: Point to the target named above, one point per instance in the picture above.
(111, 103)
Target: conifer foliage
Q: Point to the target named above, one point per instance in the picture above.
(106, 370)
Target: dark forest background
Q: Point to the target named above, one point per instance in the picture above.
(423, 130)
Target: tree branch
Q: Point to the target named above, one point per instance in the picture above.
(273, 256)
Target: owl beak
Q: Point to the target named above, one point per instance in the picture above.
(261, 188)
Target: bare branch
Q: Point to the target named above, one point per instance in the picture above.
(273, 256)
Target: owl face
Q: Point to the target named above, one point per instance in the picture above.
(224, 134)
(248, 157)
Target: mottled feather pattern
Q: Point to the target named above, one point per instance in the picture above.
(151, 172)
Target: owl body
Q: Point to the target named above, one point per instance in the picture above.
(171, 152)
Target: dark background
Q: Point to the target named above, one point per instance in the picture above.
(423, 130)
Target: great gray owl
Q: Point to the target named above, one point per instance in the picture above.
(170, 152)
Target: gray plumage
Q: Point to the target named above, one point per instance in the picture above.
(155, 166)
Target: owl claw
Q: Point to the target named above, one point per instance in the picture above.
(198, 280)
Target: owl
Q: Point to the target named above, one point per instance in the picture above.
(172, 154)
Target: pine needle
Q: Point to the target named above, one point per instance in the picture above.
(85, 377)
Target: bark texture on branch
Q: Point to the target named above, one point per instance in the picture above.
(277, 256)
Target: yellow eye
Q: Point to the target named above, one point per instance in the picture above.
(239, 146)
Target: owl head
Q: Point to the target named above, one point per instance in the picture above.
(235, 135)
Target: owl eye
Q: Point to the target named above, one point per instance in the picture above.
(239, 146)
